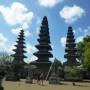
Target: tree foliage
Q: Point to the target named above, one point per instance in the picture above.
(87, 56)
(84, 52)
(80, 47)
(73, 71)
(5, 59)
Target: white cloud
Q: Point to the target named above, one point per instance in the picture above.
(30, 59)
(17, 31)
(84, 33)
(79, 39)
(49, 3)
(71, 14)
(38, 23)
(63, 41)
(17, 14)
(87, 31)
(37, 30)
(52, 46)
(52, 59)
(2, 40)
(11, 48)
(27, 33)
(33, 58)
(30, 48)
(74, 31)
(4, 45)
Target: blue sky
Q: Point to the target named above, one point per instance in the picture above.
(29, 14)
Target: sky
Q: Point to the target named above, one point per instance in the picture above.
(28, 14)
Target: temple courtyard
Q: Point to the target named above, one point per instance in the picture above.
(8, 85)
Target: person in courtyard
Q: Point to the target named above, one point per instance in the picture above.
(42, 78)
(38, 78)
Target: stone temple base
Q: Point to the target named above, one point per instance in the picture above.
(11, 77)
(42, 66)
(54, 79)
(69, 77)
(29, 80)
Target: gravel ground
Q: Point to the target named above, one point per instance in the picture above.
(64, 86)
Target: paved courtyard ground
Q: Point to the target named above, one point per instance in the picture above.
(64, 86)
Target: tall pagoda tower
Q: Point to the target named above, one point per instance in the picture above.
(43, 54)
(71, 51)
(18, 62)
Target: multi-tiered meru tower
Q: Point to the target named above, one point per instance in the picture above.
(71, 51)
(18, 62)
(43, 54)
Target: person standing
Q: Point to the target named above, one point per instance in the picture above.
(41, 78)
(38, 78)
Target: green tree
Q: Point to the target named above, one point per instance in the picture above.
(84, 52)
(5, 59)
(87, 56)
(73, 71)
(80, 51)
